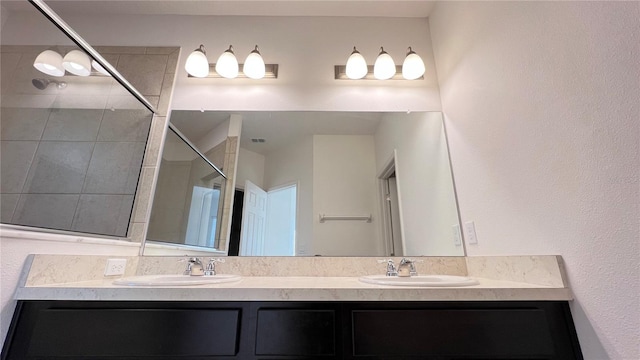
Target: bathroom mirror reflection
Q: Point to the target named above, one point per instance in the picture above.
(330, 183)
(188, 202)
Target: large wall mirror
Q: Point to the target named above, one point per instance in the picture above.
(324, 183)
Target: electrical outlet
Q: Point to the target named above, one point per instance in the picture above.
(470, 233)
(115, 267)
(457, 236)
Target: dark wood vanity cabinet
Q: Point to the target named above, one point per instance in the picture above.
(291, 330)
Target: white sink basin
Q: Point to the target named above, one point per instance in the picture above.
(422, 280)
(175, 280)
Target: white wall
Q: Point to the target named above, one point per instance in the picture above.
(294, 164)
(344, 183)
(541, 105)
(427, 198)
(214, 137)
(306, 49)
(250, 167)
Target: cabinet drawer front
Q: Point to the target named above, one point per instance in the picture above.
(500, 334)
(292, 332)
(135, 332)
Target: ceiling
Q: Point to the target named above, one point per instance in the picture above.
(360, 8)
(278, 128)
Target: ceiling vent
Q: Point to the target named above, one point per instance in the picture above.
(256, 140)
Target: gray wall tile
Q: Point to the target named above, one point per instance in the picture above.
(73, 125)
(22, 123)
(46, 210)
(15, 159)
(8, 206)
(103, 214)
(114, 168)
(144, 72)
(125, 125)
(59, 167)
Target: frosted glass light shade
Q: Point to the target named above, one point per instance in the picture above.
(77, 63)
(227, 65)
(197, 64)
(99, 68)
(384, 67)
(356, 65)
(50, 63)
(254, 65)
(413, 66)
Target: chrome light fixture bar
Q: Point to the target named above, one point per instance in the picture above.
(67, 30)
(270, 72)
(340, 73)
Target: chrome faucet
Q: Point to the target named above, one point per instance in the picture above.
(407, 267)
(211, 266)
(194, 267)
(391, 267)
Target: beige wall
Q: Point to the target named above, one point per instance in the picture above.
(541, 106)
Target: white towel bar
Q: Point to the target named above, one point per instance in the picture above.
(324, 217)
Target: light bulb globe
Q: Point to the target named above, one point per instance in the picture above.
(227, 64)
(413, 66)
(254, 67)
(197, 64)
(356, 66)
(99, 68)
(384, 67)
(77, 63)
(50, 63)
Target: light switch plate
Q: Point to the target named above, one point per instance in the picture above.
(470, 233)
(457, 236)
(115, 267)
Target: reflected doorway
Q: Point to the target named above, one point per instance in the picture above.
(264, 222)
(391, 216)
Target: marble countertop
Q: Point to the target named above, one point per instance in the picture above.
(293, 288)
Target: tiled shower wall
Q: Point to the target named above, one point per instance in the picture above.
(71, 128)
(71, 169)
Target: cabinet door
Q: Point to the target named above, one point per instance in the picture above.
(297, 330)
(127, 331)
(467, 331)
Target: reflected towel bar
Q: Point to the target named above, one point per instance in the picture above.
(324, 217)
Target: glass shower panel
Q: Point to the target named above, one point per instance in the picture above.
(71, 146)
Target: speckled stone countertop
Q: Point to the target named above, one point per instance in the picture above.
(509, 278)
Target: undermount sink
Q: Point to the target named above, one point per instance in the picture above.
(176, 280)
(420, 280)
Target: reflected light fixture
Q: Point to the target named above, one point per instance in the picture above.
(413, 66)
(50, 63)
(77, 63)
(254, 67)
(99, 68)
(197, 64)
(227, 65)
(384, 67)
(356, 65)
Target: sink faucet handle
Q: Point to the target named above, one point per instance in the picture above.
(411, 263)
(391, 267)
(211, 266)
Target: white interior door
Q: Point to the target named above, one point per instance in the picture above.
(254, 214)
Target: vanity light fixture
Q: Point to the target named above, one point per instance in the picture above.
(254, 66)
(413, 66)
(197, 64)
(50, 63)
(77, 63)
(384, 68)
(227, 65)
(356, 65)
